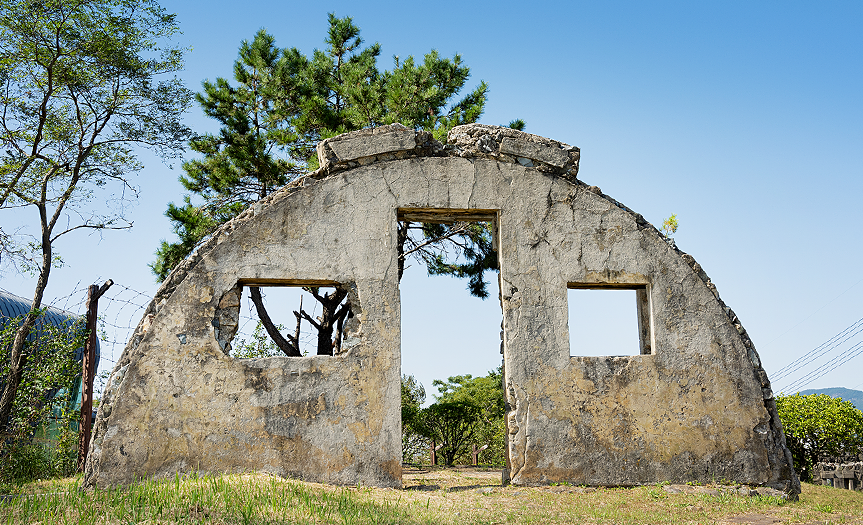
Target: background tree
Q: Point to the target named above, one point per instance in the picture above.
(282, 105)
(485, 394)
(453, 425)
(44, 405)
(818, 426)
(414, 444)
(79, 91)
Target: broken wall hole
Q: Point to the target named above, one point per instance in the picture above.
(609, 320)
(283, 320)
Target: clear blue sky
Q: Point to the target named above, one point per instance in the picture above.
(743, 118)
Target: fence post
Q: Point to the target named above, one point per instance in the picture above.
(88, 371)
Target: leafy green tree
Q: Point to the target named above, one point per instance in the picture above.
(486, 395)
(80, 89)
(452, 424)
(45, 403)
(414, 444)
(818, 426)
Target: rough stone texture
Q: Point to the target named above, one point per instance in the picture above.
(509, 145)
(366, 143)
(698, 407)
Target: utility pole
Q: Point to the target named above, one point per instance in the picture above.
(89, 371)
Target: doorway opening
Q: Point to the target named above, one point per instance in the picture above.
(452, 393)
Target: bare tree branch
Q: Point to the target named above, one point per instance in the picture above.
(289, 349)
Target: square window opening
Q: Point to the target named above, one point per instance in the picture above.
(609, 320)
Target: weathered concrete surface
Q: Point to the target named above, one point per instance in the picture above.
(839, 474)
(698, 407)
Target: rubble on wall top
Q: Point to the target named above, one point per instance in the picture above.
(397, 141)
(507, 144)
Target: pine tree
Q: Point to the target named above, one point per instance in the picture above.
(283, 104)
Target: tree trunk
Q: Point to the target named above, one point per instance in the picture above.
(17, 357)
(331, 315)
(290, 348)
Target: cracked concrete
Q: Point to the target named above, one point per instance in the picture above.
(695, 406)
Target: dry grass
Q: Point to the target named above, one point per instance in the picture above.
(433, 496)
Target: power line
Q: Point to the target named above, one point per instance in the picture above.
(819, 351)
(826, 368)
(813, 313)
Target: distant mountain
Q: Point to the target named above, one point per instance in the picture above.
(855, 396)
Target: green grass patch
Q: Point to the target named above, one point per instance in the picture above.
(441, 497)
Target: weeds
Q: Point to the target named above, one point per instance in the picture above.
(262, 499)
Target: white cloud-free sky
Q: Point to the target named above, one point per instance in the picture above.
(745, 119)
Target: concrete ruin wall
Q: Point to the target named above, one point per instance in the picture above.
(842, 475)
(694, 406)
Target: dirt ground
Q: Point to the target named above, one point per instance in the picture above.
(440, 478)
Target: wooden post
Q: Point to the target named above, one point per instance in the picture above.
(88, 371)
(475, 452)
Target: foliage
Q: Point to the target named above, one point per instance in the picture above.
(468, 412)
(453, 425)
(486, 395)
(462, 250)
(256, 150)
(79, 91)
(669, 226)
(818, 426)
(42, 440)
(259, 345)
(414, 444)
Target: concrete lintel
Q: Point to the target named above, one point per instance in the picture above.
(445, 216)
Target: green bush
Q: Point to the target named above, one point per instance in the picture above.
(43, 438)
(818, 426)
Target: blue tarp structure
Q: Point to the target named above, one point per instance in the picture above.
(13, 306)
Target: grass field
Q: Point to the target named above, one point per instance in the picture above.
(434, 496)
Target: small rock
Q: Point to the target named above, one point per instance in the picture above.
(707, 490)
(767, 491)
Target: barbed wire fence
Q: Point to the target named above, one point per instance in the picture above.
(122, 307)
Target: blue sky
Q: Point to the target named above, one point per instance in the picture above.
(743, 118)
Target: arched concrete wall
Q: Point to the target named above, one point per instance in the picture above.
(697, 407)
